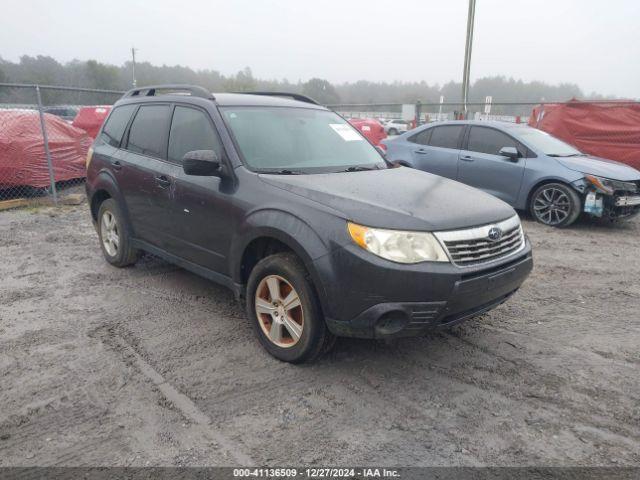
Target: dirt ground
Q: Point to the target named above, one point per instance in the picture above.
(152, 365)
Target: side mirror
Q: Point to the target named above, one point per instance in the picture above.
(203, 163)
(510, 152)
(381, 151)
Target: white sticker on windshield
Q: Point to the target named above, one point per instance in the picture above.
(347, 133)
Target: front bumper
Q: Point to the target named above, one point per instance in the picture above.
(400, 301)
(620, 206)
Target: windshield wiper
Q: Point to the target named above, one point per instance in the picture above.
(358, 168)
(284, 171)
(557, 155)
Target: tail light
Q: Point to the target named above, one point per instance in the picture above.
(89, 156)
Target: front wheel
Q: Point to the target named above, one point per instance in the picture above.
(284, 309)
(555, 204)
(393, 131)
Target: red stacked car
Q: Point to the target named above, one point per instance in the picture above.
(370, 128)
(90, 119)
(22, 156)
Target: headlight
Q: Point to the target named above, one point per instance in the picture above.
(608, 186)
(398, 246)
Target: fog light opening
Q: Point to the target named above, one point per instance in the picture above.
(392, 322)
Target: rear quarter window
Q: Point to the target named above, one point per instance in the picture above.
(446, 136)
(421, 138)
(116, 124)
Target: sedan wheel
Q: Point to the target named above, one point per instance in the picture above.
(556, 205)
(279, 311)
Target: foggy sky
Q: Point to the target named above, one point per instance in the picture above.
(593, 43)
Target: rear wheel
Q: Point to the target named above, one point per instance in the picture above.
(555, 204)
(284, 310)
(115, 239)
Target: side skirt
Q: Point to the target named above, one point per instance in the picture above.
(216, 277)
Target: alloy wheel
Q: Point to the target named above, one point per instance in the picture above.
(552, 206)
(279, 311)
(109, 233)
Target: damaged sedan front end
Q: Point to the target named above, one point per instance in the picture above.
(609, 198)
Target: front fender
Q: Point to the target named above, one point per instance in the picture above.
(531, 183)
(291, 230)
(281, 225)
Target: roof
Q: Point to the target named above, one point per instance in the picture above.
(246, 99)
(483, 123)
(180, 92)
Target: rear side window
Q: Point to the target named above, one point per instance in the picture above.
(116, 123)
(148, 130)
(488, 140)
(422, 138)
(191, 130)
(446, 136)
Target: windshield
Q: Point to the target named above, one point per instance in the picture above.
(547, 144)
(299, 140)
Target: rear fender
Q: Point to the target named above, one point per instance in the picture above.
(105, 181)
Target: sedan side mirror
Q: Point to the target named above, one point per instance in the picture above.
(203, 163)
(510, 152)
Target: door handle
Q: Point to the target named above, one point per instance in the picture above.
(116, 165)
(163, 181)
(466, 158)
(421, 151)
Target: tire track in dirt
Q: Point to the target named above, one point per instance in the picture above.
(178, 400)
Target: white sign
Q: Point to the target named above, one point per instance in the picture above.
(487, 104)
(347, 132)
(408, 111)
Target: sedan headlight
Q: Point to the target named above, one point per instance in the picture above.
(608, 186)
(397, 245)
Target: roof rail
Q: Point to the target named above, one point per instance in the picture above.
(151, 91)
(295, 96)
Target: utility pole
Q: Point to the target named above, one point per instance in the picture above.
(467, 56)
(133, 57)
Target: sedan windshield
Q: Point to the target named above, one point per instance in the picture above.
(547, 144)
(299, 140)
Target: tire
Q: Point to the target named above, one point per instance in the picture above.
(114, 235)
(555, 204)
(392, 131)
(304, 335)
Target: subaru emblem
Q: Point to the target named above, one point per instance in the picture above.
(494, 234)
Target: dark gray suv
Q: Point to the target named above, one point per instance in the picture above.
(282, 201)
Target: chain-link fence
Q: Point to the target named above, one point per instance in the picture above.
(46, 131)
(421, 113)
(45, 134)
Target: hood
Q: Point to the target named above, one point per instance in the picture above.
(600, 167)
(397, 198)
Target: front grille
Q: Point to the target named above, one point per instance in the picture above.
(473, 246)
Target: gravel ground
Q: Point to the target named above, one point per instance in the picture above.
(152, 365)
